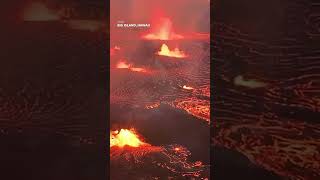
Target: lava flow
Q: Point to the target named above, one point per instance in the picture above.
(165, 51)
(163, 31)
(125, 137)
(124, 65)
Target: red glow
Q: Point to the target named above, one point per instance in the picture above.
(135, 69)
(163, 30)
(114, 50)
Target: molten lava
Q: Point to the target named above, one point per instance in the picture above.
(187, 87)
(163, 31)
(125, 137)
(165, 51)
(124, 65)
(136, 69)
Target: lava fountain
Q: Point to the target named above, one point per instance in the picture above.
(163, 31)
(165, 51)
(125, 137)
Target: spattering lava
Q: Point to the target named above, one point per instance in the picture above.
(165, 51)
(163, 31)
(125, 137)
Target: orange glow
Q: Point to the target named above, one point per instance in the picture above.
(124, 65)
(152, 106)
(135, 69)
(125, 137)
(38, 11)
(165, 51)
(187, 87)
(163, 31)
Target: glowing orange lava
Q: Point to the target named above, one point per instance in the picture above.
(165, 51)
(38, 11)
(152, 106)
(125, 137)
(125, 65)
(135, 69)
(187, 87)
(197, 107)
(163, 31)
